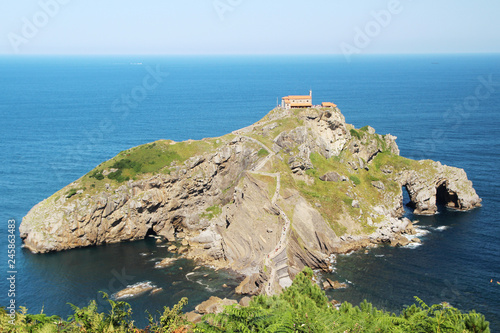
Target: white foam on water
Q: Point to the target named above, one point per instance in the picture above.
(442, 228)
(332, 258)
(156, 260)
(143, 283)
(421, 232)
(206, 285)
(412, 245)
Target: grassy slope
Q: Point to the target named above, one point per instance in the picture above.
(333, 198)
(159, 157)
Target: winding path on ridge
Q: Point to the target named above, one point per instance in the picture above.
(277, 258)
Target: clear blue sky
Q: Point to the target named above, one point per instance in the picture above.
(247, 26)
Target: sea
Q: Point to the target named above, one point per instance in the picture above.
(62, 116)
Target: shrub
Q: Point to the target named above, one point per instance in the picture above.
(356, 134)
(172, 320)
(212, 212)
(262, 153)
(303, 307)
(117, 175)
(71, 193)
(127, 164)
(97, 175)
(364, 128)
(118, 318)
(355, 179)
(347, 201)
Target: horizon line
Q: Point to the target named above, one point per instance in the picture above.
(239, 54)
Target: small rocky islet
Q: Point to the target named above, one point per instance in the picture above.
(292, 190)
(136, 290)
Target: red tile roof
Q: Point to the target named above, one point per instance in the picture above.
(329, 104)
(297, 97)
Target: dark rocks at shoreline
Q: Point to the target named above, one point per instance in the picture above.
(329, 284)
(165, 262)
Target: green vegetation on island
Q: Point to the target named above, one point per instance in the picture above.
(148, 159)
(303, 307)
(212, 212)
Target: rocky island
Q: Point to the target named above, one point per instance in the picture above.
(289, 191)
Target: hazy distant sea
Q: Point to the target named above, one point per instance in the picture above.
(60, 117)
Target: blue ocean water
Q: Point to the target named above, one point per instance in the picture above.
(60, 117)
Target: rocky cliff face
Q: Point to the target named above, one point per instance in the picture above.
(266, 200)
(433, 183)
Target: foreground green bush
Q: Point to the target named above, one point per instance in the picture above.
(303, 307)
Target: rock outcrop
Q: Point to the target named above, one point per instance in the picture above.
(165, 262)
(434, 183)
(265, 201)
(214, 305)
(136, 290)
(329, 284)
